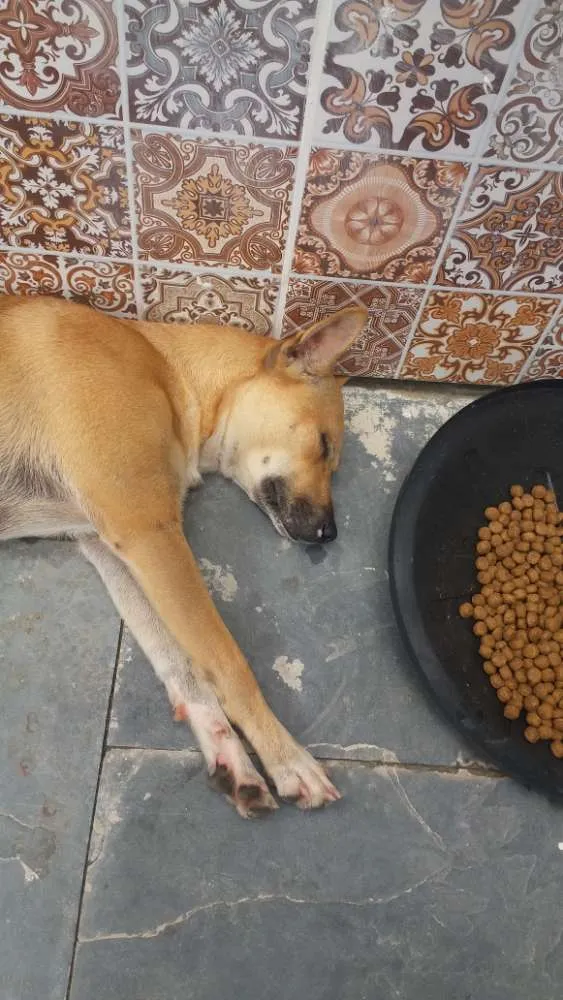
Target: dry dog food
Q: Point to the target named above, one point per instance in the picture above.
(518, 613)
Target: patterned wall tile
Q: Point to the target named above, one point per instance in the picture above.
(221, 65)
(106, 285)
(411, 74)
(510, 234)
(63, 187)
(548, 359)
(172, 296)
(59, 56)
(530, 123)
(471, 337)
(212, 201)
(29, 274)
(375, 217)
(391, 314)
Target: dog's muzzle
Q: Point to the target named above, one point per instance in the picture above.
(300, 519)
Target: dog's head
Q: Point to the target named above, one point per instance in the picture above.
(284, 431)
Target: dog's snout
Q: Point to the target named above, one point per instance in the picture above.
(327, 531)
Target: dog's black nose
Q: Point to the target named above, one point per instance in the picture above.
(327, 531)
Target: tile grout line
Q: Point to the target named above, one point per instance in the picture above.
(64, 258)
(137, 283)
(474, 167)
(373, 282)
(551, 326)
(437, 264)
(323, 141)
(146, 127)
(314, 81)
(103, 750)
(471, 767)
(446, 155)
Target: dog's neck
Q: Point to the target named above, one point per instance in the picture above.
(210, 362)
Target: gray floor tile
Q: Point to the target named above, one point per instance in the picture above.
(417, 885)
(316, 624)
(58, 640)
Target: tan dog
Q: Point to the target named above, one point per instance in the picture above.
(104, 426)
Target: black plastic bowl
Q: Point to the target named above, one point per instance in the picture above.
(511, 436)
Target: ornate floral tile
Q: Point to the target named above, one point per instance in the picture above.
(510, 233)
(375, 216)
(529, 125)
(221, 65)
(473, 337)
(547, 361)
(391, 315)
(63, 187)
(416, 74)
(60, 56)
(106, 285)
(172, 296)
(29, 274)
(212, 201)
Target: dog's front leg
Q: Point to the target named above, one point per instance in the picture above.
(228, 764)
(156, 552)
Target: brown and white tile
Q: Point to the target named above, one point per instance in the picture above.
(416, 74)
(547, 362)
(171, 295)
(475, 337)
(63, 187)
(510, 233)
(392, 311)
(220, 65)
(105, 285)
(29, 274)
(58, 56)
(529, 125)
(375, 216)
(212, 201)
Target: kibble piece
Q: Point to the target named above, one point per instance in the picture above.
(545, 731)
(556, 747)
(545, 711)
(512, 711)
(531, 734)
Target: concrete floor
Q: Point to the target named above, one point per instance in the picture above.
(432, 878)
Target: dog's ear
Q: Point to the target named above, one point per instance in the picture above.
(316, 350)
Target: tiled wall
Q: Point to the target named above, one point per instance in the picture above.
(266, 161)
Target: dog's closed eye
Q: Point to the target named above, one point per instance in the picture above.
(325, 447)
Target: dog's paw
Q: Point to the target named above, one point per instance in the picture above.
(248, 793)
(301, 779)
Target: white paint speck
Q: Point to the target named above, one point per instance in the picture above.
(560, 845)
(146, 796)
(219, 580)
(290, 672)
(259, 609)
